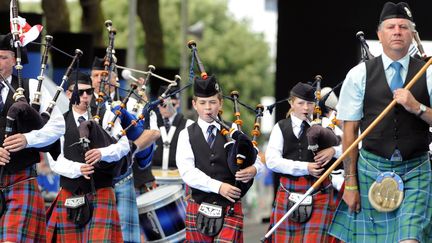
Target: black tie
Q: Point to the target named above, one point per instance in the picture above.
(167, 124)
(81, 119)
(303, 127)
(1, 98)
(210, 135)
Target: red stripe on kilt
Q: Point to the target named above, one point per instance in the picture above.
(24, 219)
(103, 227)
(232, 230)
(314, 230)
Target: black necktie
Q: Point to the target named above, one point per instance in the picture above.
(210, 136)
(167, 124)
(81, 119)
(1, 98)
(303, 127)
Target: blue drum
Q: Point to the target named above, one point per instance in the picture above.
(162, 214)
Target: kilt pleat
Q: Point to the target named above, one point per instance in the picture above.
(24, 219)
(232, 230)
(104, 225)
(128, 211)
(412, 220)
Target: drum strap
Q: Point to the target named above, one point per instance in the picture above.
(166, 140)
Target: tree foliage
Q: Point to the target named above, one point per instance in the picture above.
(238, 57)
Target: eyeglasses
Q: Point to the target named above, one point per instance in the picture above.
(88, 91)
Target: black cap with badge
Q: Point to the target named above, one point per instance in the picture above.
(6, 44)
(303, 91)
(392, 10)
(206, 87)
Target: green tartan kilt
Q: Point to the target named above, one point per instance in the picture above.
(412, 220)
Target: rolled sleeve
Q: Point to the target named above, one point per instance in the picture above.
(350, 105)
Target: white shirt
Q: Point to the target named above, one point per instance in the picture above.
(274, 159)
(53, 129)
(111, 153)
(185, 160)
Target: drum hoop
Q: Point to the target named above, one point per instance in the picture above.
(373, 199)
(176, 237)
(162, 202)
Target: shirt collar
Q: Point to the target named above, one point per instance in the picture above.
(204, 125)
(296, 121)
(77, 115)
(387, 61)
(171, 118)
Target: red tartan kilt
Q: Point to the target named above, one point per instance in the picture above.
(24, 219)
(315, 229)
(232, 230)
(103, 227)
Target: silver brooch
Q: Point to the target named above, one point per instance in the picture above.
(408, 12)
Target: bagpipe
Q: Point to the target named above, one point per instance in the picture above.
(348, 150)
(92, 134)
(109, 64)
(320, 137)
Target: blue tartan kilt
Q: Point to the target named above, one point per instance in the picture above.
(410, 221)
(128, 210)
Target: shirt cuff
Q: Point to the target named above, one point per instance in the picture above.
(77, 169)
(104, 154)
(215, 185)
(29, 138)
(303, 168)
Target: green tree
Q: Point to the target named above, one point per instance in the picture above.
(56, 15)
(92, 20)
(238, 57)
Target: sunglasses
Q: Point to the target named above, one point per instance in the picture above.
(88, 91)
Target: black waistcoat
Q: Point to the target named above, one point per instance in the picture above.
(104, 172)
(294, 148)
(399, 128)
(180, 123)
(213, 162)
(26, 157)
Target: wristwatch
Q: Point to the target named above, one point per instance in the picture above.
(422, 110)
